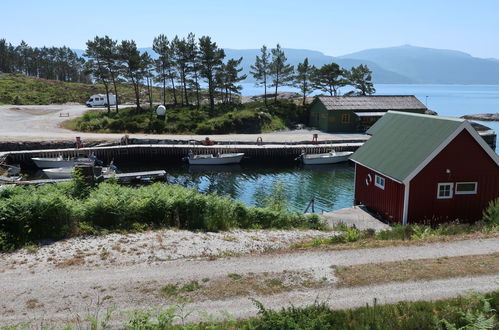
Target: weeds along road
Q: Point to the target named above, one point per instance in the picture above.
(50, 294)
(42, 122)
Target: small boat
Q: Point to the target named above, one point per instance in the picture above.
(66, 172)
(62, 162)
(331, 157)
(217, 159)
(10, 170)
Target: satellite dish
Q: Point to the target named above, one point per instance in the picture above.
(161, 110)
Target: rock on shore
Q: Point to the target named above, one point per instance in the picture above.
(483, 117)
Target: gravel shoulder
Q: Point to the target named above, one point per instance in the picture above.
(35, 122)
(57, 294)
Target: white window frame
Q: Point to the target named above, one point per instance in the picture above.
(466, 192)
(379, 185)
(451, 190)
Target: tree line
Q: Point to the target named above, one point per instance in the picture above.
(182, 65)
(271, 70)
(54, 63)
(184, 62)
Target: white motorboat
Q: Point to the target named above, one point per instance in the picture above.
(332, 157)
(66, 172)
(61, 162)
(217, 159)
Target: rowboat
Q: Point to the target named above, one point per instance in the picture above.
(59, 162)
(217, 159)
(66, 172)
(332, 157)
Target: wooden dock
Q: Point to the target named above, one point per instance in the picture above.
(175, 152)
(132, 177)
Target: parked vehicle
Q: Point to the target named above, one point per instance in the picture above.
(331, 157)
(100, 100)
(216, 159)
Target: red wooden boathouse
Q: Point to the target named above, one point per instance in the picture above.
(423, 168)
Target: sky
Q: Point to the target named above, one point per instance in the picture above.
(332, 27)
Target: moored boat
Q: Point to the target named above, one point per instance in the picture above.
(57, 162)
(332, 157)
(66, 172)
(217, 159)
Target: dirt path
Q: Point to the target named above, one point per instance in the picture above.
(35, 122)
(58, 294)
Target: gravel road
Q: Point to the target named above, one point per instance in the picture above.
(35, 122)
(58, 294)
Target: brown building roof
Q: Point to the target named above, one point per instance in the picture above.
(374, 102)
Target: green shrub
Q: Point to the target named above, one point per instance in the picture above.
(491, 213)
(31, 214)
(60, 210)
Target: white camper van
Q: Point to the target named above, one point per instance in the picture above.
(100, 100)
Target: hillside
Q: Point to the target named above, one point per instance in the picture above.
(21, 89)
(432, 66)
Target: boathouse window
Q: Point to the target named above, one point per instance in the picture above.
(444, 190)
(466, 188)
(379, 182)
(345, 118)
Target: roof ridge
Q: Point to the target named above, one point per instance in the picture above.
(427, 116)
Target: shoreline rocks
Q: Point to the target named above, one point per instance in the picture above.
(483, 117)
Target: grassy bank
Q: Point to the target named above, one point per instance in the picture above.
(21, 89)
(31, 214)
(473, 311)
(353, 238)
(242, 118)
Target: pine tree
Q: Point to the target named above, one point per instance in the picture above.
(329, 78)
(261, 69)
(164, 64)
(97, 68)
(303, 78)
(210, 59)
(133, 66)
(280, 72)
(360, 78)
(228, 77)
(184, 51)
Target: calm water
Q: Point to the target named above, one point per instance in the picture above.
(332, 185)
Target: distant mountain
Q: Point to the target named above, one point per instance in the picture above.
(295, 56)
(432, 66)
(394, 65)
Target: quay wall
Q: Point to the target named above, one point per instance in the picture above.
(175, 152)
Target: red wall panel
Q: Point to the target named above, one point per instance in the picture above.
(388, 202)
(467, 162)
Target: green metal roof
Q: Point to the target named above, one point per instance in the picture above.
(401, 141)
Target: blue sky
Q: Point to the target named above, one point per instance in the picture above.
(333, 27)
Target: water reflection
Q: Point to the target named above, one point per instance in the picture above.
(330, 185)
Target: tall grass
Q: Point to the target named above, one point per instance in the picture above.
(29, 214)
(473, 311)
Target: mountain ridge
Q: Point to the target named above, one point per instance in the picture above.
(404, 64)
